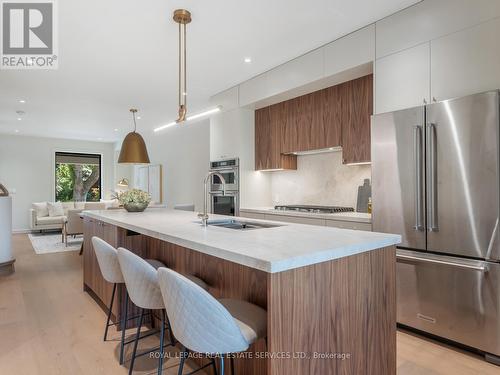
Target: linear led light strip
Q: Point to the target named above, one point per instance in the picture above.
(190, 118)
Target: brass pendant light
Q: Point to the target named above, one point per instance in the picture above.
(182, 17)
(134, 149)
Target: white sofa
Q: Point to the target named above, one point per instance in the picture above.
(40, 219)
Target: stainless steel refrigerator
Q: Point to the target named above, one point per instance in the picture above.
(435, 181)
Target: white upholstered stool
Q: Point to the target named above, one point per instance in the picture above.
(204, 324)
(107, 258)
(141, 280)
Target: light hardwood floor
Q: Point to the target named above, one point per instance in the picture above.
(48, 325)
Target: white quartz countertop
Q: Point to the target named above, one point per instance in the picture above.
(271, 250)
(359, 217)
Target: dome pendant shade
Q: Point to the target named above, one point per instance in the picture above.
(133, 149)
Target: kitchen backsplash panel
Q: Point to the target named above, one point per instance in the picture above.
(320, 179)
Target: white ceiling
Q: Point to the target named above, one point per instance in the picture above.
(117, 54)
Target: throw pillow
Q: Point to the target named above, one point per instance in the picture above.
(55, 209)
(41, 209)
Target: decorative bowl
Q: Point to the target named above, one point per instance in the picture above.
(135, 207)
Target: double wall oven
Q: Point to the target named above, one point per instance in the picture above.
(225, 201)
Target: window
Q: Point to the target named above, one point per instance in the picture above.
(78, 177)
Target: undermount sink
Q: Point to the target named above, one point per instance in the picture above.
(240, 224)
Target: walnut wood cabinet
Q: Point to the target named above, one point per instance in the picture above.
(268, 128)
(332, 117)
(357, 107)
(312, 121)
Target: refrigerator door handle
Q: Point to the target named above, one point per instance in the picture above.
(465, 264)
(432, 179)
(417, 155)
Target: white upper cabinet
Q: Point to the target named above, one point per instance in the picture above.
(344, 54)
(231, 134)
(430, 19)
(355, 49)
(295, 73)
(254, 89)
(402, 80)
(466, 62)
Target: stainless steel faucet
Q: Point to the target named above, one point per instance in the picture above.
(204, 216)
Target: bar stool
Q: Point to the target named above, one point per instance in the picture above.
(107, 258)
(141, 280)
(204, 324)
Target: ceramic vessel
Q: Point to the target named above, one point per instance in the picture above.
(135, 207)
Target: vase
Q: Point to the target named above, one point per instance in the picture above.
(135, 207)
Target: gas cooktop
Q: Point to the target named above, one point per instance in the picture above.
(314, 209)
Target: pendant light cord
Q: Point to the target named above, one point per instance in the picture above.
(135, 124)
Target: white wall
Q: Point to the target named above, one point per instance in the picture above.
(27, 165)
(320, 179)
(184, 152)
(232, 134)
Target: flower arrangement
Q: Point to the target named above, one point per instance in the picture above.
(134, 200)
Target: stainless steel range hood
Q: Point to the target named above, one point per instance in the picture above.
(313, 152)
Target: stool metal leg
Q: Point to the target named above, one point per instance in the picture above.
(231, 358)
(124, 328)
(162, 336)
(136, 342)
(221, 369)
(170, 334)
(214, 366)
(109, 312)
(183, 359)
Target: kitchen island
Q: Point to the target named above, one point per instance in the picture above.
(329, 292)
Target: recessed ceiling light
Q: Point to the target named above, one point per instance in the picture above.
(19, 119)
(17, 130)
(248, 60)
(116, 130)
(138, 117)
(22, 101)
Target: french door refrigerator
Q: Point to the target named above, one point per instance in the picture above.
(435, 181)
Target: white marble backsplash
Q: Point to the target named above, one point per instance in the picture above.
(320, 179)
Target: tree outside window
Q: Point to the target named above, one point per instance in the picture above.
(78, 177)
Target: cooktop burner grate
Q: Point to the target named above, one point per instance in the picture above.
(314, 209)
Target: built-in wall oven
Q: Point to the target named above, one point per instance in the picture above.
(227, 203)
(230, 170)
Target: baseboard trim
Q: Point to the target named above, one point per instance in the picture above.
(20, 231)
(27, 231)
